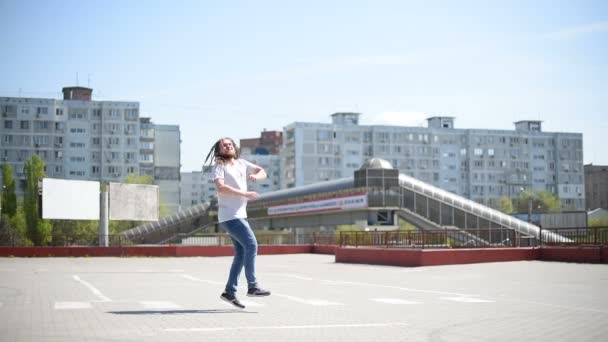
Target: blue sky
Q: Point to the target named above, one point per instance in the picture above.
(234, 68)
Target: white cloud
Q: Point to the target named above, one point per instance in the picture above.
(397, 118)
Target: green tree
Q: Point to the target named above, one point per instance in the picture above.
(133, 178)
(542, 201)
(598, 222)
(9, 198)
(505, 205)
(12, 229)
(37, 230)
(67, 232)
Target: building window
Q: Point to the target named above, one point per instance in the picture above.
(8, 124)
(41, 125)
(58, 111)
(323, 135)
(130, 156)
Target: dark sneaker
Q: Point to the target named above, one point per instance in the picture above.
(257, 292)
(230, 298)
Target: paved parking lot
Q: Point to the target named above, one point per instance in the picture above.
(314, 299)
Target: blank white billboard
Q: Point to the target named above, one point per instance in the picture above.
(65, 199)
(135, 202)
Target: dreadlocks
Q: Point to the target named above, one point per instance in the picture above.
(218, 158)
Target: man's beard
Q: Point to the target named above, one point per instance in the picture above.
(227, 155)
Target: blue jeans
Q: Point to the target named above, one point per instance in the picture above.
(245, 250)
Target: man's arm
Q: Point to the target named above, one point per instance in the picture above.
(257, 174)
(225, 189)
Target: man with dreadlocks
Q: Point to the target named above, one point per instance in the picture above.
(230, 174)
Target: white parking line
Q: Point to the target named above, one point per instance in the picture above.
(72, 305)
(189, 277)
(159, 305)
(294, 276)
(281, 327)
(93, 289)
(468, 300)
(316, 302)
(338, 282)
(396, 301)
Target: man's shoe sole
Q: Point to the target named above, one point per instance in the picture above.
(232, 303)
(258, 295)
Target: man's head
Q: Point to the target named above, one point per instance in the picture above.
(223, 150)
(226, 148)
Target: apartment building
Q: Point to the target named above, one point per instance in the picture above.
(196, 187)
(264, 151)
(483, 165)
(596, 186)
(79, 138)
(76, 137)
(167, 163)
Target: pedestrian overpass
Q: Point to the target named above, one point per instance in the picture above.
(377, 196)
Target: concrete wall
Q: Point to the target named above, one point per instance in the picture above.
(377, 256)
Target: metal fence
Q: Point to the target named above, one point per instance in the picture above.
(218, 239)
(444, 238)
(473, 238)
(586, 236)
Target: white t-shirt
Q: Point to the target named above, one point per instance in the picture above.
(234, 175)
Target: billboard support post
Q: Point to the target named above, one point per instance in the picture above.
(103, 219)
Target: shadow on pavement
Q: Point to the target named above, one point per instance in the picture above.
(179, 312)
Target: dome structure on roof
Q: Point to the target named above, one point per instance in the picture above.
(376, 163)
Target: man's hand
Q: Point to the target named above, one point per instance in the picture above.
(252, 195)
(252, 178)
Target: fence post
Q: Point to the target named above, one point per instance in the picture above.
(540, 236)
(386, 238)
(423, 239)
(595, 235)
